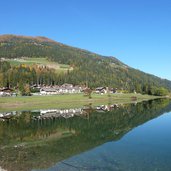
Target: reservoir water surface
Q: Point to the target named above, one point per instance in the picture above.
(130, 137)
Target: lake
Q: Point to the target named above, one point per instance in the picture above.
(131, 137)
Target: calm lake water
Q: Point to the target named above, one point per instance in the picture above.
(132, 137)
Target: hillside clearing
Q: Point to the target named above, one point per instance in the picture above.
(39, 62)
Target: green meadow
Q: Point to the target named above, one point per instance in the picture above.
(40, 62)
(67, 101)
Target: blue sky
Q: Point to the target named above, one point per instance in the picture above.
(137, 32)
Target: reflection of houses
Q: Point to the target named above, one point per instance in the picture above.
(55, 113)
(68, 113)
(107, 107)
(7, 115)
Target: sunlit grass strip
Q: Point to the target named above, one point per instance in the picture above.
(66, 101)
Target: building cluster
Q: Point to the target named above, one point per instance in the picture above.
(64, 89)
(5, 92)
(105, 90)
(55, 90)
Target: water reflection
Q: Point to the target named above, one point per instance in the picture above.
(39, 139)
(55, 113)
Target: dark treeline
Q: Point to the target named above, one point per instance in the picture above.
(12, 76)
(22, 77)
(89, 68)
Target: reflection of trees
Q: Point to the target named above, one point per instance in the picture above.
(52, 140)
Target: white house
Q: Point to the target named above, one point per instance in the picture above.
(48, 91)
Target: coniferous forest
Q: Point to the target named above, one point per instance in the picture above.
(88, 68)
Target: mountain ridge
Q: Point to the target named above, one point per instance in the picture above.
(42, 39)
(97, 70)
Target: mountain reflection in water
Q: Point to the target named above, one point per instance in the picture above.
(39, 139)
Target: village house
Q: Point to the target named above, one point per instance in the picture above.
(48, 91)
(105, 90)
(6, 92)
(66, 85)
(101, 90)
(64, 89)
(113, 90)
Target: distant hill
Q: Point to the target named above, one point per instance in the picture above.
(88, 68)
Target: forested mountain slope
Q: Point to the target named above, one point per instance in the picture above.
(88, 68)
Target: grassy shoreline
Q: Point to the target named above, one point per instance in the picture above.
(66, 101)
